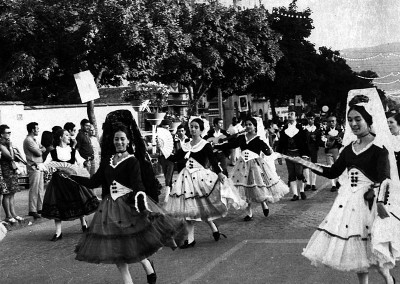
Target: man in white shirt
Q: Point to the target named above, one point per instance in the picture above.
(33, 152)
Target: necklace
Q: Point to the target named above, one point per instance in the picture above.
(119, 154)
(359, 138)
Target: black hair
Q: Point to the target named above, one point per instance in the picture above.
(31, 126)
(396, 117)
(54, 129)
(84, 121)
(310, 114)
(3, 128)
(181, 126)
(216, 120)
(57, 136)
(200, 122)
(69, 126)
(123, 128)
(47, 139)
(361, 110)
(253, 121)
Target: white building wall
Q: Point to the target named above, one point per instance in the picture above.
(17, 117)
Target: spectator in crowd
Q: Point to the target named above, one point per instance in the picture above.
(47, 142)
(272, 130)
(234, 129)
(84, 144)
(70, 127)
(213, 136)
(394, 126)
(33, 152)
(292, 142)
(54, 130)
(313, 142)
(10, 173)
(332, 139)
(96, 150)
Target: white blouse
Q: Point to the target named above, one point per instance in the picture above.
(64, 154)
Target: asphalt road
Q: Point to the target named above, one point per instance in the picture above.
(265, 250)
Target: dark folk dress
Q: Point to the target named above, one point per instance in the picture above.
(256, 180)
(124, 229)
(197, 194)
(65, 199)
(345, 240)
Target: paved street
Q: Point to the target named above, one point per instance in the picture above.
(266, 250)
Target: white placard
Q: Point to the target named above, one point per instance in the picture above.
(86, 86)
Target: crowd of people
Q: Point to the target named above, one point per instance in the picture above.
(130, 224)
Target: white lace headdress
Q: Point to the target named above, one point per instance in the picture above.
(369, 99)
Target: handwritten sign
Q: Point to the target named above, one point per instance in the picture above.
(86, 86)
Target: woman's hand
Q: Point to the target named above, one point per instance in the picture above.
(221, 177)
(382, 213)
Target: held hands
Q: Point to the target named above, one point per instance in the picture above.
(221, 177)
(382, 213)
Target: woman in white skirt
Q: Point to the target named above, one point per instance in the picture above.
(254, 177)
(358, 233)
(199, 194)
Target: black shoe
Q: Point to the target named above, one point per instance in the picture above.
(313, 188)
(55, 238)
(333, 189)
(152, 278)
(217, 235)
(295, 198)
(34, 215)
(307, 188)
(266, 212)
(248, 218)
(85, 228)
(39, 211)
(303, 196)
(187, 245)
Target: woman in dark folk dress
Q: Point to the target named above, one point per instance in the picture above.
(128, 226)
(65, 200)
(199, 194)
(253, 176)
(358, 233)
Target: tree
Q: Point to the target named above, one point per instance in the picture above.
(220, 53)
(294, 72)
(337, 79)
(46, 42)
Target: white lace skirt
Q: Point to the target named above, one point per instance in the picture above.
(199, 196)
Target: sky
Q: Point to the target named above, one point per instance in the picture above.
(341, 24)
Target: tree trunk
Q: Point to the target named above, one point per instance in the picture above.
(272, 105)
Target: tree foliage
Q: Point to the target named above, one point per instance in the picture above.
(223, 52)
(201, 46)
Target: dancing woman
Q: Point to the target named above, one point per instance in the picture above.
(198, 194)
(255, 179)
(64, 199)
(128, 227)
(357, 233)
